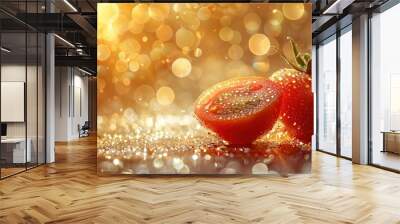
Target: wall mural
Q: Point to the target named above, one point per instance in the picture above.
(204, 88)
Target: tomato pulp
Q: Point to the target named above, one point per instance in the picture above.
(241, 109)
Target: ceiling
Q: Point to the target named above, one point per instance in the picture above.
(75, 21)
(75, 25)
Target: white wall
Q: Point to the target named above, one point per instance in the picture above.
(81, 100)
(61, 103)
(71, 93)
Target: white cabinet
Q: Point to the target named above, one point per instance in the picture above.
(16, 147)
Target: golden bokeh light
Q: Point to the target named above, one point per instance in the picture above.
(121, 66)
(190, 20)
(109, 33)
(111, 11)
(164, 32)
(259, 44)
(122, 56)
(140, 13)
(198, 52)
(252, 22)
(185, 38)
(178, 8)
(126, 82)
(293, 11)
(178, 163)
(225, 20)
(134, 66)
(130, 115)
(204, 13)
(276, 17)
(165, 95)
(157, 53)
(130, 47)
(181, 67)
(272, 30)
(226, 33)
(143, 93)
(237, 37)
(158, 163)
(103, 52)
(152, 25)
(159, 11)
(134, 27)
(144, 61)
(235, 52)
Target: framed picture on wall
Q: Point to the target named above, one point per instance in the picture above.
(12, 101)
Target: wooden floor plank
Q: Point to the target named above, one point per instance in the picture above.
(69, 191)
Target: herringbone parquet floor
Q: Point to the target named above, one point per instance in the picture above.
(69, 191)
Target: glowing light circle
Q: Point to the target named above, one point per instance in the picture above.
(293, 11)
(259, 44)
(181, 67)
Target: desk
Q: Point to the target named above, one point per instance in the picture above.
(13, 150)
(391, 141)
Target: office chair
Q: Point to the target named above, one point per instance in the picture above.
(84, 130)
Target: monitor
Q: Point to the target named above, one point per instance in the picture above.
(3, 129)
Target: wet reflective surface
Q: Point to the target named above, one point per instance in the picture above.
(191, 149)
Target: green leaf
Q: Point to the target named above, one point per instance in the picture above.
(295, 66)
(297, 55)
(307, 57)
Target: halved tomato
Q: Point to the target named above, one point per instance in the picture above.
(241, 109)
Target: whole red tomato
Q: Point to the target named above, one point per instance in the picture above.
(241, 109)
(297, 98)
(297, 102)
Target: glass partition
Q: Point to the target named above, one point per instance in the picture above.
(22, 90)
(14, 153)
(385, 89)
(346, 93)
(327, 96)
